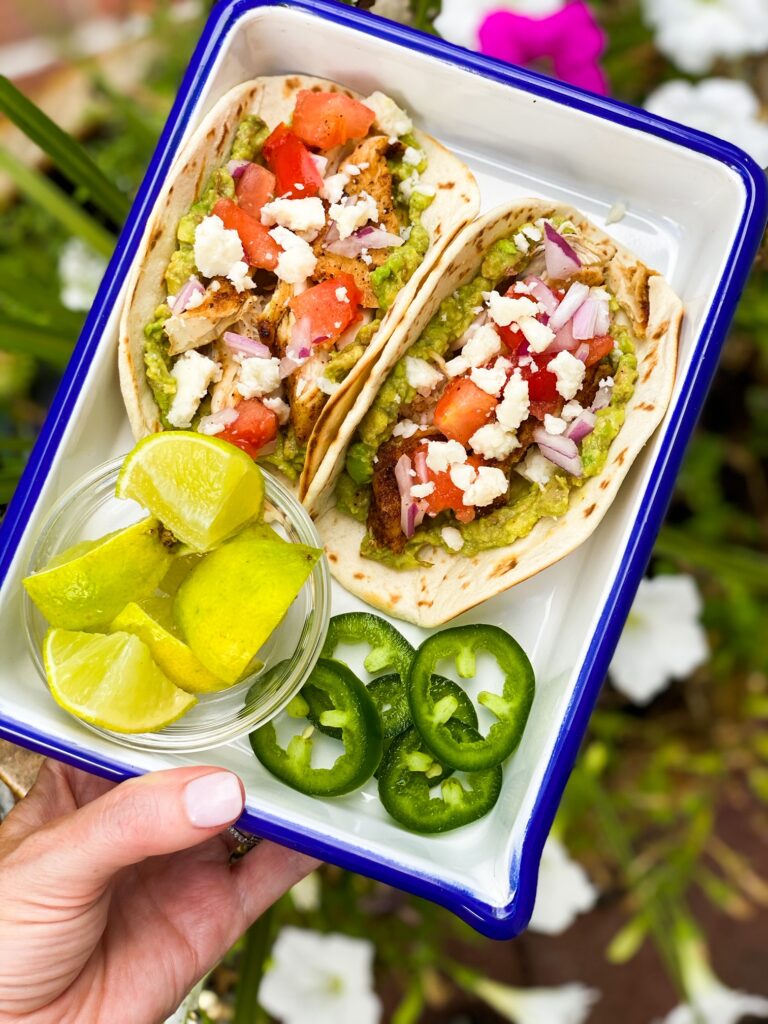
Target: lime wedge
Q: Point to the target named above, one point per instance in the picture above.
(203, 489)
(232, 601)
(152, 622)
(87, 585)
(111, 681)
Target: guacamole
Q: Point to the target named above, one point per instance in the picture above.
(289, 455)
(158, 362)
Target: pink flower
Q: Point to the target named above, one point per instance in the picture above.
(570, 38)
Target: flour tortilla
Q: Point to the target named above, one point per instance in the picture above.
(455, 205)
(453, 584)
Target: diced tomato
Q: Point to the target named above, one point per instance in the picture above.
(328, 119)
(542, 384)
(295, 170)
(447, 495)
(599, 348)
(261, 250)
(254, 428)
(463, 409)
(255, 187)
(329, 314)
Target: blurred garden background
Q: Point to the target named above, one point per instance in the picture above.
(653, 897)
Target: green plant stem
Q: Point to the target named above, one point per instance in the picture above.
(750, 568)
(257, 943)
(36, 187)
(67, 154)
(659, 915)
(41, 342)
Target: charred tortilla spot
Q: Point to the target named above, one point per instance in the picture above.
(661, 330)
(394, 598)
(447, 184)
(332, 557)
(293, 83)
(507, 566)
(604, 484)
(588, 511)
(621, 456)
(425, 604)
(649, 370)
(359, 576)
(646, 406)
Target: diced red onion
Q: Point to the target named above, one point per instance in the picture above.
(320, 162)
(582, 352)
(242, 343)
(192, 287)
(574, 299)
(218, 421)
(603, 324)
(300, 347)
(561, 259)
(581, 426)
(332, 234)
(365, 238)
(543, 294)
(320, 339)
(236, 167)
(589, 321)
(602, 399)
(268, 448)
(408, 507)
(560, 450)
(287, 366)
(420, 465)
(564, 340)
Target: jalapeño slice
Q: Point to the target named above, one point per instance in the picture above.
(511, 707)
(408, 773)
(350, 710)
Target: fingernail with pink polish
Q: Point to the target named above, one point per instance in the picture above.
(213, 799)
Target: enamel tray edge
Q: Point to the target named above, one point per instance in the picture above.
(494, 922)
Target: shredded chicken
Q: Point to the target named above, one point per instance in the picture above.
(204, 323)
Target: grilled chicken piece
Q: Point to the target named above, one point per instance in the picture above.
(376, 180)
(305, 397)
(384, 509)
(199, 326)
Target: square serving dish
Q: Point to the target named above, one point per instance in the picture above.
(696, 211)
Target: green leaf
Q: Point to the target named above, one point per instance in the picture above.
(750, 568)
(41, 342)
(627, 942)
(57, 203)
(71, 159)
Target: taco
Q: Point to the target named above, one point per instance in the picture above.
(498, 425)
(290, 239)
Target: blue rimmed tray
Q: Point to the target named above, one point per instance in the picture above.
(697, 208)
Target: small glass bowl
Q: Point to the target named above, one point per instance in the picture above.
(90, 510)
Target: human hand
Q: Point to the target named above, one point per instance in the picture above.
(116, 899)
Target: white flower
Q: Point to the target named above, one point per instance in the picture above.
(564, 891)
(80, 272)
(459, 20)
(306, 893)
(320, 979)
(695, 33)
(662, 640)
(395, 10)
(709, 1001)
(567, 1004)
(190, 1004)
(720, 106)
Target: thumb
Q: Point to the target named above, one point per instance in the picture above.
(159, 813)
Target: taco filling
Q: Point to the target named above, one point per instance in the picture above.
(508, 401)
(283, 270)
